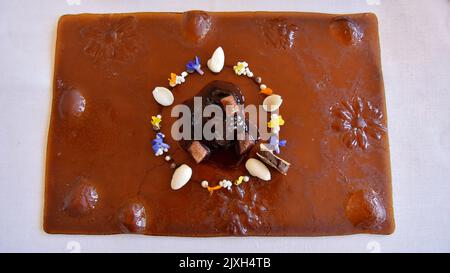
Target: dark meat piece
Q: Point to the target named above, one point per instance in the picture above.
(230, 105)
(245, 144)
(198, 151)
(272, 160)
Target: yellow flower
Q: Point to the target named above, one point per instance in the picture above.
(239, 180)
(276, 122)
(156, 120)
(239, 68)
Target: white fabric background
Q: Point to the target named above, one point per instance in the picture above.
(415, 44)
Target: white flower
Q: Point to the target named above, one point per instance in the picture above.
(180, 80)
(159, 152)
(226, 184)
(241, 68)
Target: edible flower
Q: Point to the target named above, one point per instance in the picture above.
(239, 180)
(275, 143)
(156, 120)
(276, 121)
(212, 189)
(205, 185)
(226, 184)
(194, 65)
(158, 145)
(242, 69)
(175, 79)
(266, 91)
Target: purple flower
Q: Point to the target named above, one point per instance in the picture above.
(194, 65)
(275, 143)
(158, 144)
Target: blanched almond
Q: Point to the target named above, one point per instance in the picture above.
(272, 103)
(180, 177)
(217, 61)
(258, 169)
(163, 96)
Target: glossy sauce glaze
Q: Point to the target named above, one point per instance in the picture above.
(103, 178)
(223, 152)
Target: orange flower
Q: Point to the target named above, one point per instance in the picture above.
(173, 79)
(212, 189)
(266, 91)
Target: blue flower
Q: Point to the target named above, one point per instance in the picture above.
(194, 65)
(275, 143)
(158, 144)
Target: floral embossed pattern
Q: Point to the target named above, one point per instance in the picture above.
(110, 39)
(242, 210)
(358, 120)
(279, 33)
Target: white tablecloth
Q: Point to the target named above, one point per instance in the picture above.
(415, 44)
